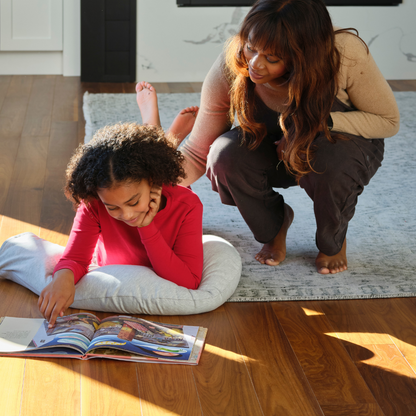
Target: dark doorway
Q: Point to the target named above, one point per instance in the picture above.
(108, 40)
(236, 3)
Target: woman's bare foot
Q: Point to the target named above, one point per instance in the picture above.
(183, 123)
(146, 98)
(274, 253)
(332, 264)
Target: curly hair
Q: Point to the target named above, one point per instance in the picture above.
(122, 153)
(301, 34)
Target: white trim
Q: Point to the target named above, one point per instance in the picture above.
(30, 63)
(72, 38)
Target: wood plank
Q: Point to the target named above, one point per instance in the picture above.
(39, 109)
(11, 226)
(376, 322)
(168, 390)
(11, 382)
(212, 375)
(20, 86)
(51, 384)
(355, 307)
(402, 85)
(332, 375)
(57, 213)
(91, 87)
(26, 185)
(182, 87)
(162, 87)
(196, 86)
(277, 376)
(401, 326)
(394, 85)
(4, 86)
(109, 388)
(396, 318)
(18, 301)
(65, 100)
(111, 87)
(365, 329)
(389, 377)
(129, 87)
(223, 384)
(12, 118)
(352, 410)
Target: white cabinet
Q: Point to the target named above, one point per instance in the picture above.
(40, 37)
(31, 25)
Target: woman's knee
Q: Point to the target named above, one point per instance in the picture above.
(225, 152)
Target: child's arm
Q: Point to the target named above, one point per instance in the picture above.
(81, 243)
(57, 296)
(182, 264)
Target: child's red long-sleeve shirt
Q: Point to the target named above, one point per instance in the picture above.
(171, 244)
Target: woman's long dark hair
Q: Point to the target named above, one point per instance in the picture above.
(301, 34)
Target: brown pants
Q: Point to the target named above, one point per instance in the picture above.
(246, 179)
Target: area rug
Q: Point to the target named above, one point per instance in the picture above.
(381, 239)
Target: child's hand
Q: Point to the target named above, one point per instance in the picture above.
(57, 296)
(154, 204)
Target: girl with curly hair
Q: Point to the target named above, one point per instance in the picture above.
(130, 210)
(312, 110)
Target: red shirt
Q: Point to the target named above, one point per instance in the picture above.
(171, 244)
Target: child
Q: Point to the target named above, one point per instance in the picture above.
(129, 207)
(147, 101)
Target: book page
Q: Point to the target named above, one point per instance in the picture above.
(24, 335)
(139, 336)
(17, 333)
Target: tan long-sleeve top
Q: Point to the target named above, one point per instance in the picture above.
(362, 87)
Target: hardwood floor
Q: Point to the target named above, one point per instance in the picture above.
(329, 358)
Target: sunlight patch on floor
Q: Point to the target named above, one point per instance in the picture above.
(229, 355)
(385, 356)
(10, 227)
(310, 312)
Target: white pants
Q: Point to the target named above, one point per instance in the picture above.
(29, 261)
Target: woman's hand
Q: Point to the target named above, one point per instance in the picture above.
(154, 205)
(57, 296)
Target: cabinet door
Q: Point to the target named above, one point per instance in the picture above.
(31, 25)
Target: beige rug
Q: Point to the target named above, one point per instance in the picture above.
(381, 237)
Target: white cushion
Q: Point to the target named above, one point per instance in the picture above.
(29, 261)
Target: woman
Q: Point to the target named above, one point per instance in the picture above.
(312, 108)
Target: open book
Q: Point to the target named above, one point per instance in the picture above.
(84, 336)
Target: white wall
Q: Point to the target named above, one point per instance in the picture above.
(390, 32)
(180, 44)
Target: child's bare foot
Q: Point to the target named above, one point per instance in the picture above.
(274, 253)
(332, 264)
(183, 123)
(146, 98)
